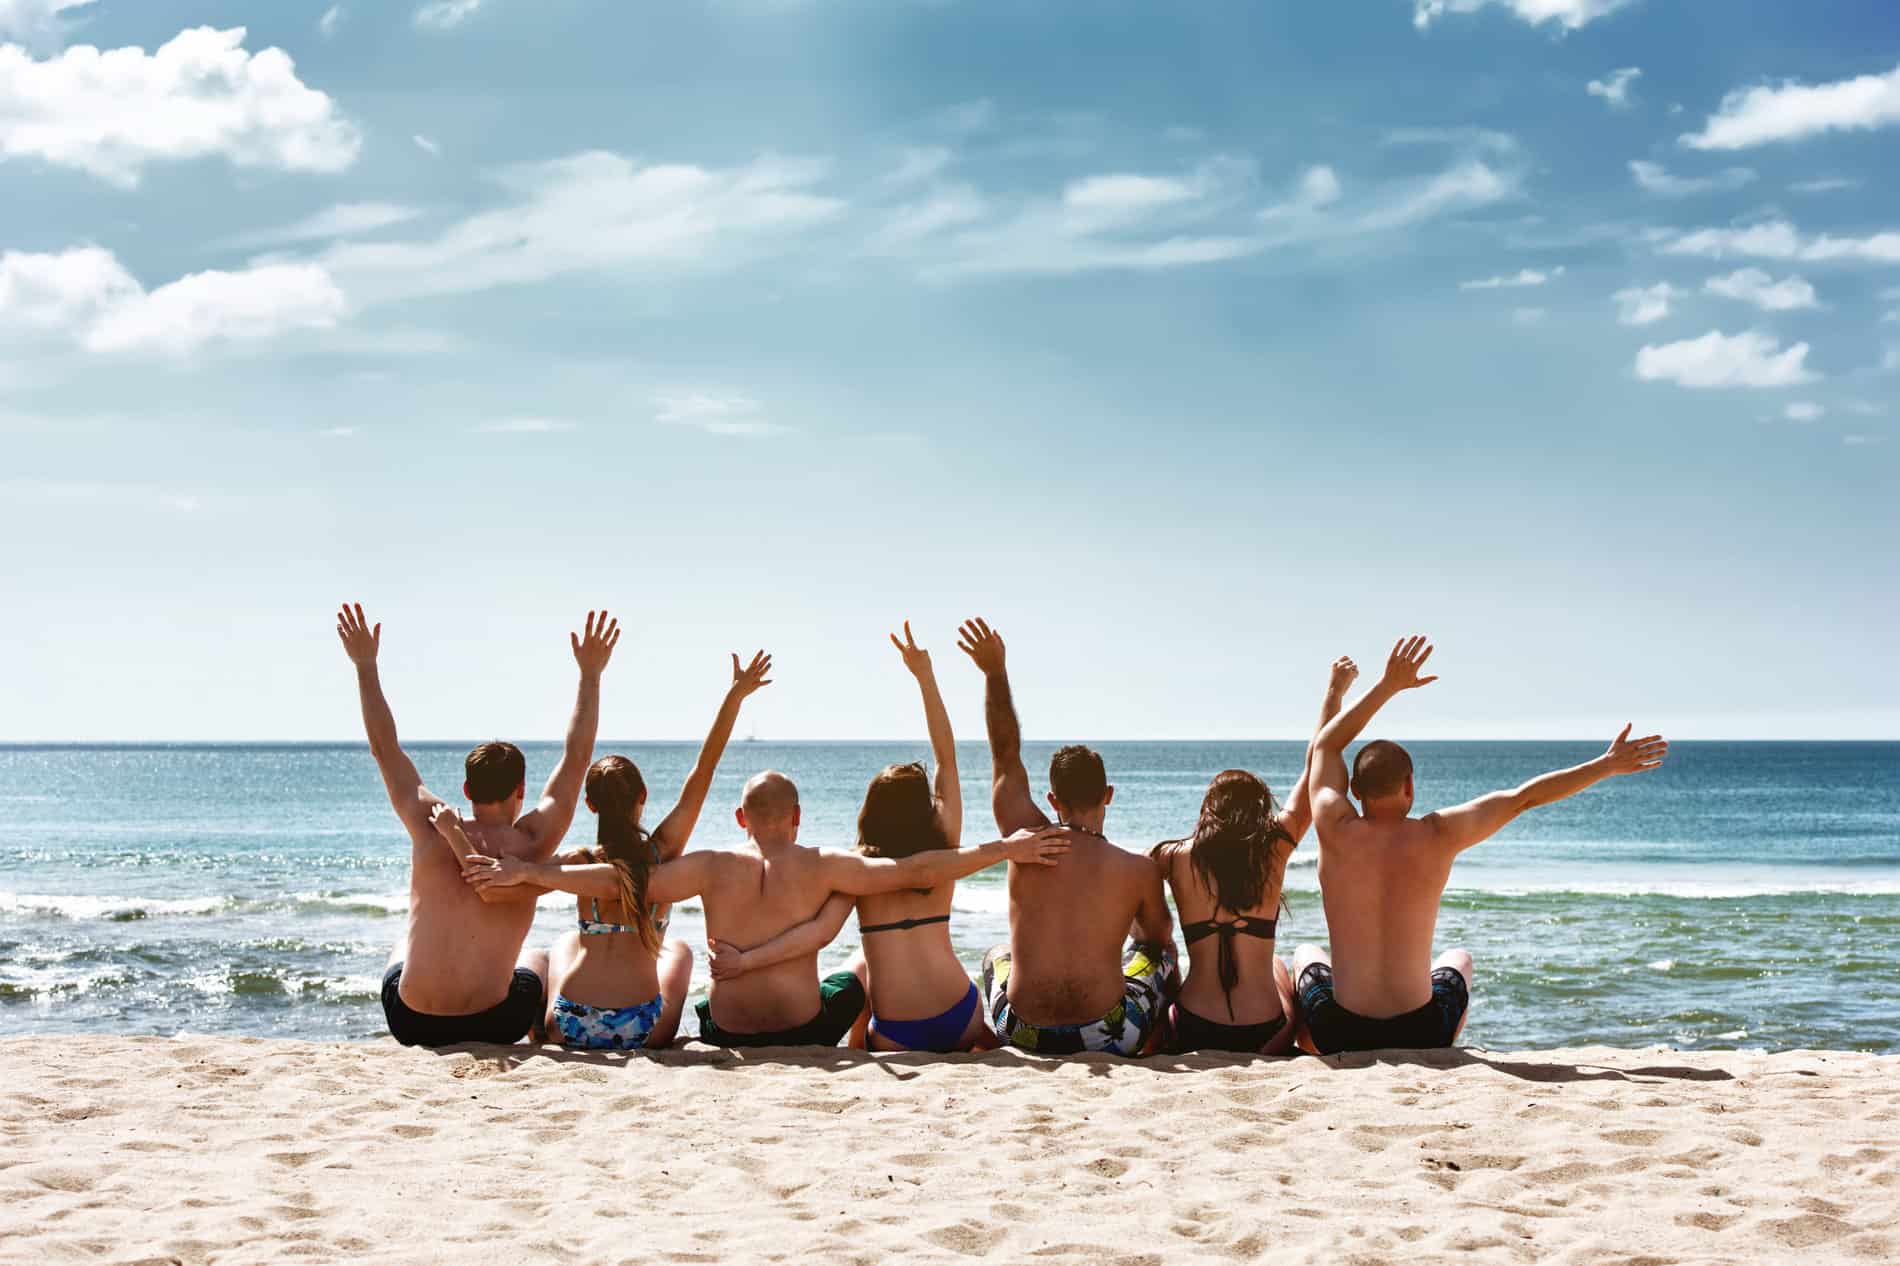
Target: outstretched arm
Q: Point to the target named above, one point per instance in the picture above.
(867, 876)
(1010, 798)
(728, 960)
(1298, 814)
(677, 827)
(508, 878)
(1480, 819)
(548, 821)
(1326, 758)
(412, 801)
(943, 743)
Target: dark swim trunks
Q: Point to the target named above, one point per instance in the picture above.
(505, 1023)
(840, 1001)
(1334, 1029)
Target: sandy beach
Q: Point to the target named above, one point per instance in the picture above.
(201, 1149)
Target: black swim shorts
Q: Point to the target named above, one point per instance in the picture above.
(506, 1022)
(1333, 1028)
(840, 1002)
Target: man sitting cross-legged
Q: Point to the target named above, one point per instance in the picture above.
(769, 885)
(459, 974)
(1382, 873)
(1064, 984)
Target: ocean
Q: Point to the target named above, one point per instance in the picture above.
(1747, 895)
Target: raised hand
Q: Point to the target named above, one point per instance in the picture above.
(982, 645)
(1634, 756)
(748, 680)
(1345, 672)
(446, 821)
(360, 641)
(916, 658)
(1401, 670)
(595, 647)
(1031, 847)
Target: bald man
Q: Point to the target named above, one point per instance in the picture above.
(772, 883)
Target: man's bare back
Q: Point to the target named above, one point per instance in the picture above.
(1067, 929)
(749, 899)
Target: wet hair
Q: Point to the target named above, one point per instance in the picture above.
(1380, 770)
(494, 772)
(1077, 778)
(899, 817)
(1236, 847)
(617, 792)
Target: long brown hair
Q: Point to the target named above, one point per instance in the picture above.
(1238, 842)
(617, 792)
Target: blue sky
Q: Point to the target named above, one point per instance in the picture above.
(1192, 345)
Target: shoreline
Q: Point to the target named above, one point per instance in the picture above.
(218, 1149)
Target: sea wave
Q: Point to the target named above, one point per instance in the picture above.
(115, 909)
(1688, 889)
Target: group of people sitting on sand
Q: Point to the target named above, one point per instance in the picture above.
(1091, 963)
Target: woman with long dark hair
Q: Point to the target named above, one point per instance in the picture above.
(922, 999)
(1227, 880)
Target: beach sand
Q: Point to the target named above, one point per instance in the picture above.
(201, 1149)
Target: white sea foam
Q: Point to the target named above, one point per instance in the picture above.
(1688, 889)
(76, 906)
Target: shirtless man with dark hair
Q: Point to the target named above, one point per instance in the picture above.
(459, 974)
(1064, 983)
(1382, 873)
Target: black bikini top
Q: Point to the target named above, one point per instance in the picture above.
(902, 925)
(1227, 930)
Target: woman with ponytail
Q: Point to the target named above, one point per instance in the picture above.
(616, 982)
(1227, 880)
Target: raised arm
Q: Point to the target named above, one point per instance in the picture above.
(943, 743)
(728, 960)
(867, 876)
(1298, 814)
(1474, 822)
(548, 821)
(1326, 758)
(1010, 797)
(412, 801)
(677, 827)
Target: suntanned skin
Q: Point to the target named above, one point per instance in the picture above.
(773, 883)
(1066, 930)
(1264, 991)
(1382, 872)
(459, 951)
(914, 973)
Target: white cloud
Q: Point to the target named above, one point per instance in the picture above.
(200, 95)
(1832, 184)
(426, 145)
(589, 212)
(1778, 239)
(445, 15)
(87, 295)
(345, 219)
(1749, 359)
(714, 414)
(331, 19)
(36, 22)
(1645, 305)
(916, 166)
(1317, 189)
(1469, 138)
(1569, 14)
(1804, 411)
(1764, 114)
(1523, 277)
(1654, 178)
(943, 209)
(1123, 193)
(1614, 88)
(1752, 285)
(1468, 186)
(525, 426)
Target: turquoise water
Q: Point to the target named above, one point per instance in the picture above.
(1748, 894)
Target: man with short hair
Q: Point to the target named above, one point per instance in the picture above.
(459, 974)
(1382, 873)
(772, 884)
(1064, 984)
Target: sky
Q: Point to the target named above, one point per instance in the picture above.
(1191, 345)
